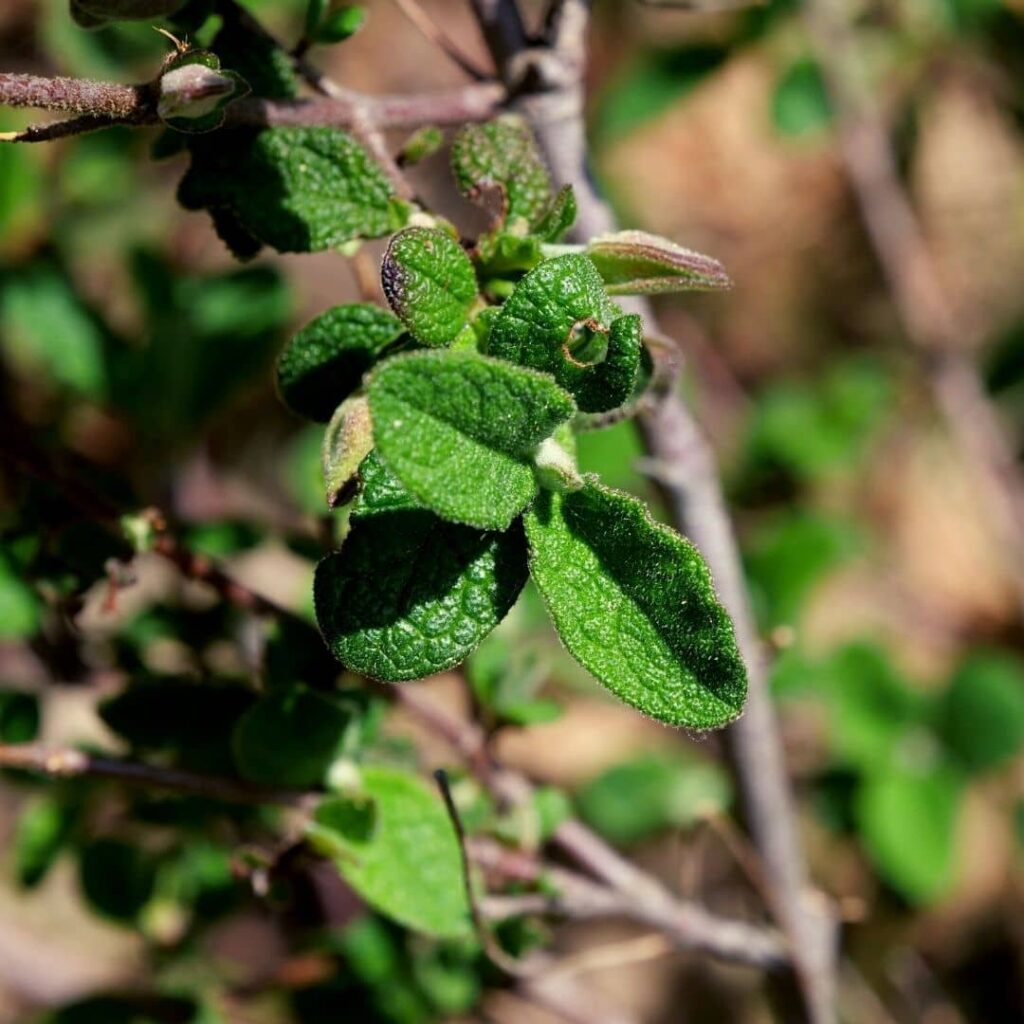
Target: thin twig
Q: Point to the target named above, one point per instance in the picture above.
(430, 28)
(75, 764)
(933, 325)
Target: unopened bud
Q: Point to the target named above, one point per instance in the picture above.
(192, 91)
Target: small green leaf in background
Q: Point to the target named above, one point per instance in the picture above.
(634, 603)
(407, 864)
(44, 826)
(502, 156)
(422, 143)
(637, 799)
(117, 878)
(289, 738)
(459, 431)
(560, 320)
(800, 104)
(347, 442)
(907, 822)
(326, 360)
(505, 678)
(430, 284)
(982, 715)
(409, 595)
(20, 605)
(639, 263)
(19, 715)
(294, 189)
(789, 555)
(340, 24)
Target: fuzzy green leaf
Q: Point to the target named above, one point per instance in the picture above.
(289, 738)
(409, 594)
(502, 156)
(326, 360)
(380, 490)
(560, 320)
(560, 216)
(638, 263)
(347, 441)
(294, 189)
(395, 845)
(430, 284)
(634, 604)
(459, 431)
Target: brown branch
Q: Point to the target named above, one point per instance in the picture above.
(76, 764)
(414, 11)
(933, 325)
(690, 479)
(77, 95)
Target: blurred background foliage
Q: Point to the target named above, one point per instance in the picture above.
(135, 356)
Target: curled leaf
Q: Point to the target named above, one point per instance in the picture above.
(638, 263)
(347, 441)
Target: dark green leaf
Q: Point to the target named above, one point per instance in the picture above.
(409, 595)
(460, 430)
(634, 604)
(908, 824)
(982, 716)
(19, 716)
(501, 156)
(404, 858)
(639, 263)
(289, 738)
(560, 320)
(430, 284)
(339, 25)
(116, 878)
(294, 189)
(44, 827)
(326, 360)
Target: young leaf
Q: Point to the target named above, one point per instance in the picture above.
(294, 189)
(560, 216)
(341, 24)
(430, 284)
(326, 360)
(502, 155)
(560, 320)
(409, 595)
(400, 853)
(908, 824)
(459, 431)
(638, 263)
(289, 738)
(347, 441)
(380, 490)
(634, 603)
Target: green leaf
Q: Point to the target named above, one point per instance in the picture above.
(430, 284)
(800, 103)
(639, 798)
(44, 827)
(407, 864)
(459, 431)
(267, 67)
(639, 263)
(19, 604)
(294, 189)
(341, 24)
(560, 216)
(116, 878)
(502, 156)
(409, 595)
(908, 825)
(380, 490)
(982, 715)
(347, 441)
(326, 360)
(19, 716)
(289, 738)
(560, 320)
(422, 143)
(634, 603)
